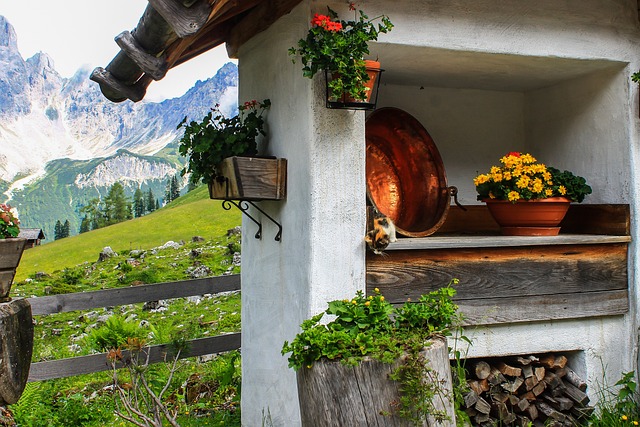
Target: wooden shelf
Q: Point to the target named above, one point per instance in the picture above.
(453, 242)
(582, 273)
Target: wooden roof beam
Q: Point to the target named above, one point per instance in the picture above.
(115, 90)
(185, 21)
(154, 66)
(255, 21)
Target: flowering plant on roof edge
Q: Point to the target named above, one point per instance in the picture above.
(9, 222)
(339, 47)
(520, 177)
(207, 142)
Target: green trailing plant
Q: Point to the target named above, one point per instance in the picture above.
(369, 326)
(114, 334)
(339, 47)
(207, 142)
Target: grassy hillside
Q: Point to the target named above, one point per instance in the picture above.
(193, 214)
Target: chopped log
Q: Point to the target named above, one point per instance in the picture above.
(481, 370)
(582, 412)
(482, 406)
(530, 382)
(572, 378)
(552, 379)
(575, 394)
(512, 386)
(496, 377)
(479, 386)
(532, 412)
(522, 421)
(508, 370)
(522, 405)
(553, 361)
(525, 361)
(549, 412)
(498, 396)
(529, 396)
(481, 418)
(513, 400)
(539, 372)
(539, 388)
(470, 399)
(527, 371)
(500, 411)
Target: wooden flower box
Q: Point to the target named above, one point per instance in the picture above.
(250, 178)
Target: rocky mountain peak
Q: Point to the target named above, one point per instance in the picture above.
(8, 37)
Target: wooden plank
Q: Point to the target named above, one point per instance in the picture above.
(133, 294)
(256, 21)
(250, 178)
(62, 368)
(500, 272)
(498, 241)
(543, 307)
(583, 218)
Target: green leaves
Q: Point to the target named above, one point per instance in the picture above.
(371, 326)
(207, 142)
(340, 52)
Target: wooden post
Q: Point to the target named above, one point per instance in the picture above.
(332, 394)
(16, 347)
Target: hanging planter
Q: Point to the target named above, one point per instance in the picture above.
(346, 101)
(10, 254)
(338, 48)
(250, 178)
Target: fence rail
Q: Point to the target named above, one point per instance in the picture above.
(67, 367)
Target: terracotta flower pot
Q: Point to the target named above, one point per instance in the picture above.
(10, 254)
(540, 217)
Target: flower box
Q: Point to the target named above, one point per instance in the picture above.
(10, 254)
(250, 178)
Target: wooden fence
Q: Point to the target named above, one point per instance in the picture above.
(68, 367)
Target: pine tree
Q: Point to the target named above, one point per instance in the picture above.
(66, 229)
(175, 188)
(138, 203)
(85, 225)
(94, 214)
(57, 230)
(150, 203)
(117, 207)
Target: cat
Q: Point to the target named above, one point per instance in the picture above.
(382, 233)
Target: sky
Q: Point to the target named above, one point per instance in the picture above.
(77, 33)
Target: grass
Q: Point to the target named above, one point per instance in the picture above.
(193, 214)
(71, 266)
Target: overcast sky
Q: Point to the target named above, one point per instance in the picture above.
(81, 32)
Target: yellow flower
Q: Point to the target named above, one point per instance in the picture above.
(528, 158)
(548, 192)
(562, 190)
(506, 175)
(635, 423)
(354, 302)
(513, 196)
(523, 182)
(376, 290)
(368, 303)
(381, 297)
(480, 179)
(536, 187)
(497, 177)
(624, 418)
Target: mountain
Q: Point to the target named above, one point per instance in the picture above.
(45, 118)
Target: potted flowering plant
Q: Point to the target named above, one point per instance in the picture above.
(11, 248)
(386, 362)
(221, 152)
(338, 48)
(521, 188)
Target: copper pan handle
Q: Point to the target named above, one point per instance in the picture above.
(453, 192)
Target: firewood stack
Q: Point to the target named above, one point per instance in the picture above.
(517, 391)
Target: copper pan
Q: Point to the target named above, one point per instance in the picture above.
(405, 175)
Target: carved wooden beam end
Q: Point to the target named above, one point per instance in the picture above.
(154, 66)
(185, 21)
(115, 90)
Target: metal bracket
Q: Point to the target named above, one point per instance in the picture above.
(243, 206)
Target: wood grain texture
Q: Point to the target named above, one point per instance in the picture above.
(16, 348)
(332, 394)
(134, 294)
(514, 284)
(251, 178)
(41, 371)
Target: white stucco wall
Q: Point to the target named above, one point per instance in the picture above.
(321, 255)
(484, 78)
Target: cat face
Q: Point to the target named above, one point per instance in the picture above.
(381, 235)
